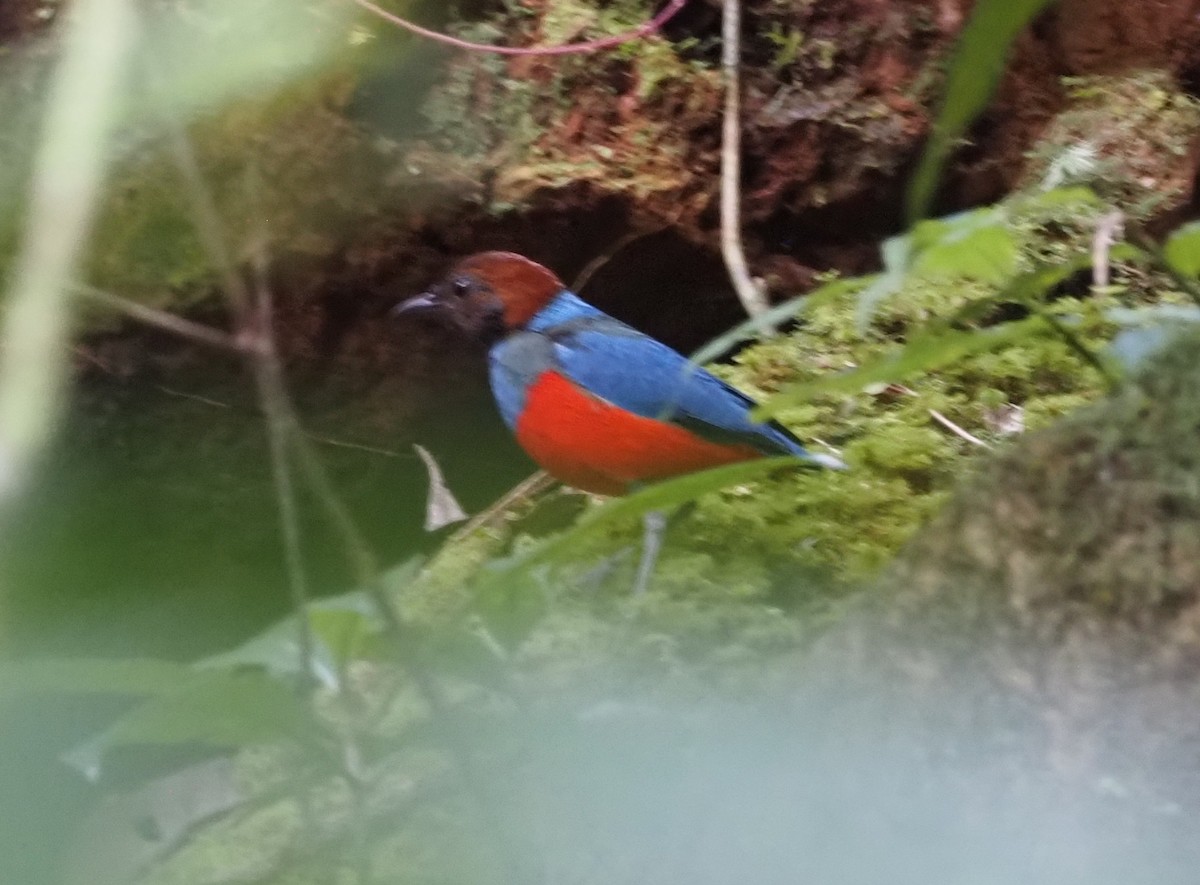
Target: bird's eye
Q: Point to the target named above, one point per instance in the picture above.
(461, 286)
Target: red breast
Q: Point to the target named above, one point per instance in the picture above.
(593, 445)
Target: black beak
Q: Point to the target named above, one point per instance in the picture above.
(424, 301)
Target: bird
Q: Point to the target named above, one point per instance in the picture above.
(597, 404)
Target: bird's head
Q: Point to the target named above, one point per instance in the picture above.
(489, 294)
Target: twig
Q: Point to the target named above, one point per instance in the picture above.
(526, 488)
(1107, 233)
(956, 430)
(643, 30)
(272, 396)
(209, 228)
(358, 447)
(195, 397)
(748, 292)
(1076, 344)
(834, 450)
(258, 342)
(168, 322)
(589, 270)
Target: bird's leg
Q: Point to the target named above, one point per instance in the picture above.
(654, 527)
(655, 524)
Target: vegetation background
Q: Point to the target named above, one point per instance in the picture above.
(238, 643)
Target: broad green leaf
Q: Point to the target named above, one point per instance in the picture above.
(468, 651)
(510, 609)
(276, 651)
(1058, 198)
(1031, 287)
(132, 676)
(923, 353)
(347, 635)
(217, 708)
(343, 627)
(1182, 250)
(973, 246)
(975, 70)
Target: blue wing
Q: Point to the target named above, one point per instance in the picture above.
(634, 371)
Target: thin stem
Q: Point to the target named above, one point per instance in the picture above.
(957, 430)
(472, 777)
(1076, 344)
(254, 329)
(1108, 231)
(748, 292)
(160, 319)
(643, 30)
(273, 398)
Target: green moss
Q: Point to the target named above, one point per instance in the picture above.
(1128, 136)
(806, 538)
(1090, 525)
(534, 124)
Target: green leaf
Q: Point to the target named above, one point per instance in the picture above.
(974, 245)
(660, 496)
(975, 70)
(1056, 199)
(1031, 287)
(922, 353)
(132, 676)
(511, 602)
(511, 609)
(1182, 250)
(276, 651)
(216, 708)
(469, 651)
(343, 627)
(346, 635)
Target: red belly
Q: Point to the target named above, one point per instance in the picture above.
(598, 447)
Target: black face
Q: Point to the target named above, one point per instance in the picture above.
(467, 302)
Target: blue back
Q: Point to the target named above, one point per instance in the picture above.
(628, 369)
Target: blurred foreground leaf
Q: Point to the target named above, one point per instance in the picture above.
(975, 71)
(193, 61)
(1182, 249)
(69, 171)
(92, 676)
(344, 628)
(922, 353)
(217, 708)
(660, 496)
